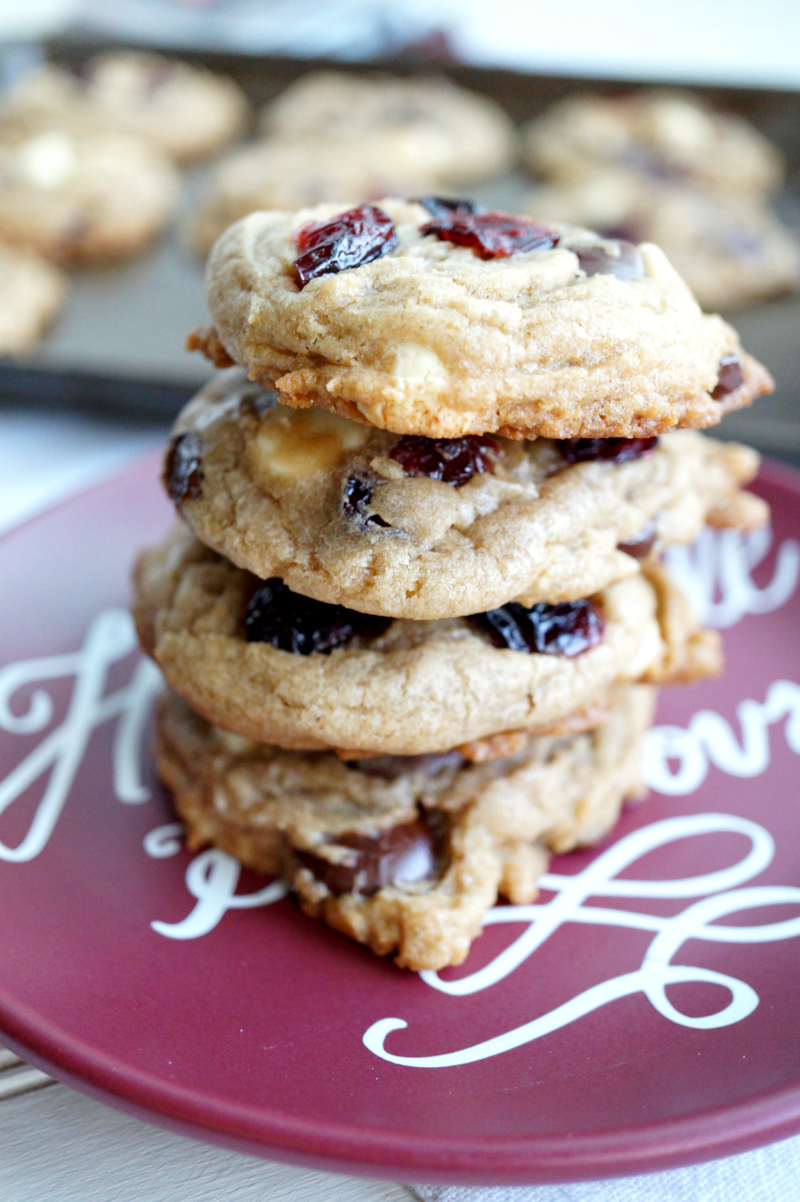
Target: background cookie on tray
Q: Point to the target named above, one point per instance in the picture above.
(425, 126)
(32, 292)
(731, 252)
(443, 322)
(258, 660)
(188, 111)
(415, 528)
(663, 134)
(406, 861)
(81, 193)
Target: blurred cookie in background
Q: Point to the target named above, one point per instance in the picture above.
(188, 111)
(661, 135)
(295, 174)
(81, 193)
(731, 250)
(423, 125)
(32, 292)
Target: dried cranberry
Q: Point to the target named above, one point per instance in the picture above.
(355, 237)
(616, 450)
(642, 543)
(391, 767)
(492, 235)
(729, 377)
(569, 628)
(290, 622)
(442, 206)
(626, 264)
(453, 460)
(183, 470)
(412, 851)
(356, 496)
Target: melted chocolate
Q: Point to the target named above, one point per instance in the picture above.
(642, 543)
(183, 468)
(626, 264)
(729, 377)
(413, 851)
(391, 767)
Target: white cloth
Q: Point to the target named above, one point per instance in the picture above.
(770, 1174)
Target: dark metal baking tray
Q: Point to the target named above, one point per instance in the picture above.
(119, 342)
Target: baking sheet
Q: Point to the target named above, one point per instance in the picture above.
(120, 340)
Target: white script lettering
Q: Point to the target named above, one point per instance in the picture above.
(110, 638)
(715, 573)
(709, 738)
(211, 878)
(719, 893)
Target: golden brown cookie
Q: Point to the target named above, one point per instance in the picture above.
(405, 857)
(566, 336)
(275, 667)
(410, 527)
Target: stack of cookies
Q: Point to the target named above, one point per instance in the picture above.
(413, 615)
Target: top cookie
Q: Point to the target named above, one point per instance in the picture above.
(439, 321)
(424, 125)
(663, 135)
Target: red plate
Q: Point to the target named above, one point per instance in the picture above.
(645, 1014)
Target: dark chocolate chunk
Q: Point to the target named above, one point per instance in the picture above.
(729, 377)
(642, 543)
(183, 467)
(356, 496)
(413, 851)
(391, 767)
(442, 206)
(622, 259)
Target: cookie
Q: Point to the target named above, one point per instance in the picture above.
(577, 337)
(663, 135)
(268, 664)
(32, 293)
(409, 527)
(405, 861)
(731, 251)
(282, 173)
(82, 195)
(186, 110)
(425, 126)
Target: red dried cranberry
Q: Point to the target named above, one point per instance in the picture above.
(493, 235)
(729, 377)
(616, 450)
(183, 471)
(453, 460)
(391, 767)
(626, 264)
(351, 239)
(569, 628)
(290, 622)
(356, 496)
(441, 206)
(642, 543)
(413, 851)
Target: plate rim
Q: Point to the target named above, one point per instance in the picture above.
(766, 1117)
